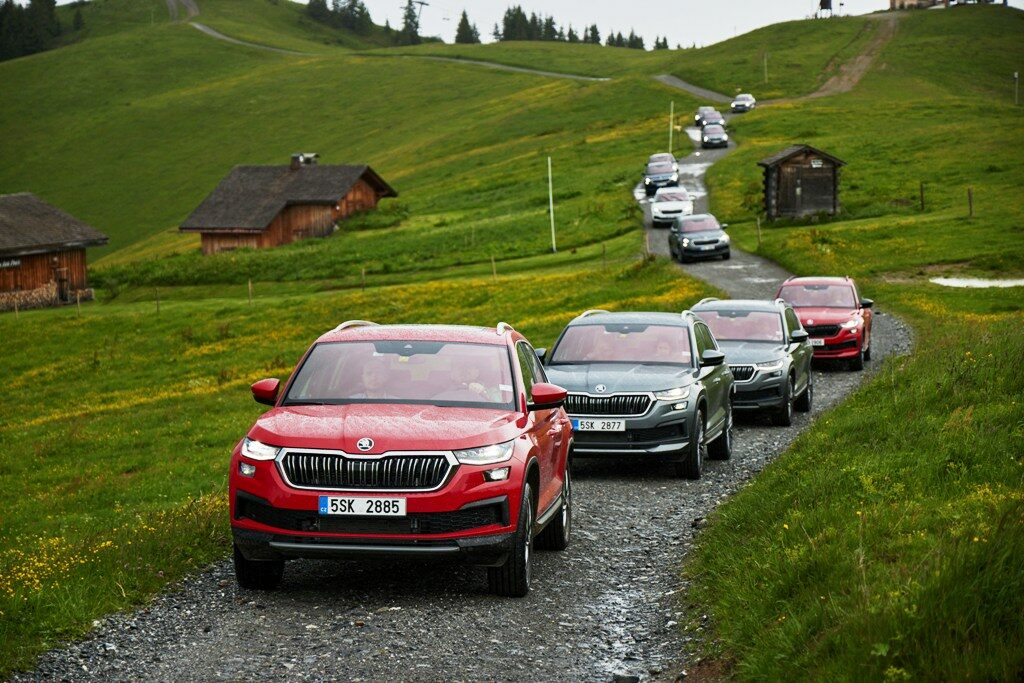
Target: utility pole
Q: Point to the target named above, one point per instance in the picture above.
(422, 4)
(551, 207)
(671, 124)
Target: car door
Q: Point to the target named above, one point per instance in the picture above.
(868, 317)
(548, 429)
(801, 353)
(714, 378)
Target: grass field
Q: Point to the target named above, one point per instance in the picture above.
(121, 449)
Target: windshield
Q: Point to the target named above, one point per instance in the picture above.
(397, 371)
(624, 343)
(819, 296)
(714, 130)
(661, 159)
(698, 224)
(659, 169)
(744, 98)
(674, 196)
(762, 326)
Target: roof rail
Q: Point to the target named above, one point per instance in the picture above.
(780, 300)
(706, 299)
(354, 323)
(592, 311)
(502, 328)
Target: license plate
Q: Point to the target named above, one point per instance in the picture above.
(815, 341)
(599, 425)
(708, 247)
(362, 507)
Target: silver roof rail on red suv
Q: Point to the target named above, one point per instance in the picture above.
(354, 323)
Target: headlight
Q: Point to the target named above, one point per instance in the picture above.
(254, 450)
(706, 138)
(686, 241)
(647, 181)
(771, 365)
(724, 239)
(725, 136)
(676, 394)
(486, 455)
(674, 178)
(850, 324)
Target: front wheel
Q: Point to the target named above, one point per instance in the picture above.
(263, 575)
(721, 448)
(726, 256)
(692, 466)
(512, 579)
(783, 417)
(806, 400)
(857, 363)
(556, 534)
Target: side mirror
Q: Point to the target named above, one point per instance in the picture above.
(867, 303)
(541, 354)
(265, 391)
(546, 396)
(724, 226)
(711, 357)
(798, 336)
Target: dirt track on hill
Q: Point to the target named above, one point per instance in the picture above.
(852, 71)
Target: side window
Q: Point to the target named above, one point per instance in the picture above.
(709, 339)
(792, 322)
(527, 361)
(535, 365)
(702, 342)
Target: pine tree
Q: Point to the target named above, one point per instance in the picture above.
(595, 35)
(410, 33)
(571, 36)
(466, 33)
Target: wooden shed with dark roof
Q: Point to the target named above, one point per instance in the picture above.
(266, 206)
(41, 248)
(801, 181)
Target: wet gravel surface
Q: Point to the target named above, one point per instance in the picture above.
(608, 608)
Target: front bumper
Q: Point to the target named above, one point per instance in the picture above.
(757, 395)
(714, 143)
(660, 432)
(844, 345)
(693, 252)
(659, 220)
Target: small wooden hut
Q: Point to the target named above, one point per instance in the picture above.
(266, 206)
(801, 181)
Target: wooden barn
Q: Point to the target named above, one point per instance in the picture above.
(266, 206)
(801, 181)
(42, 253)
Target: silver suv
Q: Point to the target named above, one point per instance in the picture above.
(645, 384)
(768, 352)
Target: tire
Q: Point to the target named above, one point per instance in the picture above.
(721, 448)
(867, 351)
(857, 363)
(512, 579)
(556, 534)
(672, 253)
(805, 401)
(727, 255)
(783, 416)
(692, 466)
(261, 575)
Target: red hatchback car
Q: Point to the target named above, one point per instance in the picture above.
(832, 312)
(412, 441)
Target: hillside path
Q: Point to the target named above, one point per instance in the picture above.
(680, 84)
(220, 36)
(852, 71)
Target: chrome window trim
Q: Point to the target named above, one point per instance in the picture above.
(453, 465)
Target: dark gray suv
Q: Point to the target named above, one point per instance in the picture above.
(645, 384)
(768, 351)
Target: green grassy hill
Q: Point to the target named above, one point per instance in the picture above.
(120, 453)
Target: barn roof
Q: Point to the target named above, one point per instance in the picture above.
(250, 197)
(30, 225)
(793, 150)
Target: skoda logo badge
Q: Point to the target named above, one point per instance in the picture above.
(810, 322)
(364, 444)
(600, 388)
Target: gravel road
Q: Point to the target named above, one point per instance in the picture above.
(607, 609)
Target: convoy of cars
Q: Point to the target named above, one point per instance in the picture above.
(456, 442)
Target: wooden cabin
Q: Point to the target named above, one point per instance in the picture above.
(42, 253)
(266, 206)
(801, 181)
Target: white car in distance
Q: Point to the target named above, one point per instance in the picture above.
(668, 204)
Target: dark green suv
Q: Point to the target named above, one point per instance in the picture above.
(645, 385)
(768, 351)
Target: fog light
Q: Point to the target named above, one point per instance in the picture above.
(680, 406)
(500, 474)
(777, 373)
(246, 469)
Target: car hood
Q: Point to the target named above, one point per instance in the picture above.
(672, 206)
(826, 316)
(619, 377)
(748, 353)
(393, 427)
(704, 235)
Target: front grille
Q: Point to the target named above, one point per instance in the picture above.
(416, 523)
(822, 330)
(631, 404)
(742, 373)
(701, 242)
(332, 471)
(647, 437)
(670, 212)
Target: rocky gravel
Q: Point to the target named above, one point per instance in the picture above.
(609, 608)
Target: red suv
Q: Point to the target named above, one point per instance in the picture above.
(832, 312)
(405, 440)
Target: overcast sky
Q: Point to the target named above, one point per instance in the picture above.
(684, 22)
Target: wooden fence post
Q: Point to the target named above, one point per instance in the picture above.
(922, 195)
(758, 231)
(250, 291)
(78, 301)
(647, 245)
(970, 202)
(16, 316)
